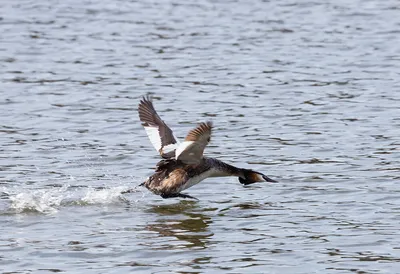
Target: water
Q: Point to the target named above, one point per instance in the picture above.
(305, 92)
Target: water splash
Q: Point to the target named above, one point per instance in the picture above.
(42, 200)
(50, 200)
(105, 196)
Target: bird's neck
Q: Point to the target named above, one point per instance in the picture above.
(222, 169)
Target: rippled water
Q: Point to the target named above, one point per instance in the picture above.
(305, 92)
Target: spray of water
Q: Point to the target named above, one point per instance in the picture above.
(50, 200)
(104, 196)
(41, 200)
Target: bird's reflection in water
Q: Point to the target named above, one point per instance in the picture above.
(184, 221)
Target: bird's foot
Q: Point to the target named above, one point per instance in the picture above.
(178, 195)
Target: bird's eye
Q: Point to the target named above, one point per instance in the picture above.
(208, 140)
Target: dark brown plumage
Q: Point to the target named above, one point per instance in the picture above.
(203, 129)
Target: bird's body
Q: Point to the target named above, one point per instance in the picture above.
(172, 176)
(184, 165)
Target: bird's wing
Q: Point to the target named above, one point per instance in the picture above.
(160, 135)
(191, 150)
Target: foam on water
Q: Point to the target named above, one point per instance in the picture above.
(42, 200)
(49, 201)
(104, 196)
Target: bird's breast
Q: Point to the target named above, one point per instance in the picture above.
(197, 178)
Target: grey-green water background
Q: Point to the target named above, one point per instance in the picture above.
(306, 92)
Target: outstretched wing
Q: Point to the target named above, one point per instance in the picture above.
(191, 150)
(159, 133)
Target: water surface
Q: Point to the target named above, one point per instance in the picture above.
(305, 92)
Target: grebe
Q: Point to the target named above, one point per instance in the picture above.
(183, 164)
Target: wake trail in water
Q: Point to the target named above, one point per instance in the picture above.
(50, 200)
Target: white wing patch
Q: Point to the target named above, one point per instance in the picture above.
(160, 135)
(182, 147)
(155, 139)
(189, 152)
(171, 147)
(154, 136)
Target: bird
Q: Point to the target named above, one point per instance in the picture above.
(183, 164)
